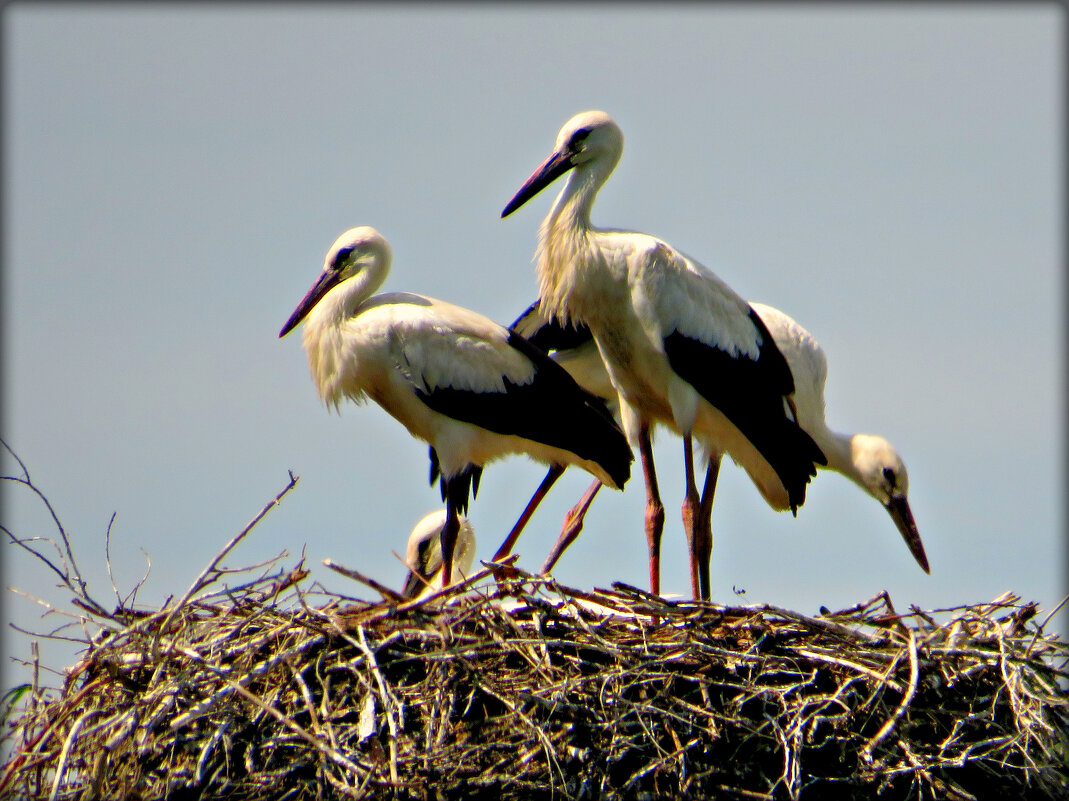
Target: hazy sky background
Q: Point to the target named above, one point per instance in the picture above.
(890, 175)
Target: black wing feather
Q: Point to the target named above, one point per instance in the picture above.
(553, 335)
(552, 409)
(465, 483)
(750, 394)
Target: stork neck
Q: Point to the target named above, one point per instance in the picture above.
(564, 241)
(572, 206)
(342, 302)
(838, 448)
(323, 337)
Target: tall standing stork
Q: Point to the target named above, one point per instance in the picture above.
(681, 347)
(868, 460)
(470, 388)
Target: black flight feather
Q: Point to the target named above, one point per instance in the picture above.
(750, 394)
(467, 480)
(552, 409)
(554, 335)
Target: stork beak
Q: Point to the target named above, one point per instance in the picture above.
(551, 169)
(326, 282)
(898, 508)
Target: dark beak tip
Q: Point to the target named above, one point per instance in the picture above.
(323, 285)
(516, 202)
(903, 517)
(551, 169)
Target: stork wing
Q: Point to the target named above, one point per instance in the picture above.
(687, 298)
(721, 347)
(473, 370)
(806, 359)
(572, 346)
(550, 334)
(442, 346)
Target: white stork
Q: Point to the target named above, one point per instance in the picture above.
(868, 460)
(424, 555)
(681, 347)
(470, 388)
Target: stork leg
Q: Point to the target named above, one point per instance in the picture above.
(654, 509)
(703, 548)
(573, 524)
(449, 531)
(691, 513)
(540, 493)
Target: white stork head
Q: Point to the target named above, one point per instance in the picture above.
(590, 142)
(356, 265)
(881, 472)
(424, 554)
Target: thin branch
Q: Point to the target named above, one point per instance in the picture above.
(356, 575)
(202, 580)
(107, 559)
(911, 689)
(26, 481)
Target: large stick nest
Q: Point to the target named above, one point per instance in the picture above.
(512, 686)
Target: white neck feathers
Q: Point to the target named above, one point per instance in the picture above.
(564, 241)
(333, 364)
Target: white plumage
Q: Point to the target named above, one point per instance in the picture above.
(470, 388)
(868, 460)
(424, 555)
(681, 348)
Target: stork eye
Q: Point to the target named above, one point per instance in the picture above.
(341, 257)
(575, 144)
(889, 475)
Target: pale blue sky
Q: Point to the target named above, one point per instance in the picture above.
(891, 176)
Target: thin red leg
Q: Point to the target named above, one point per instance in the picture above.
(654, 509)
(703, 548)
(691, 512)
(573, 524)
(540, 493)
